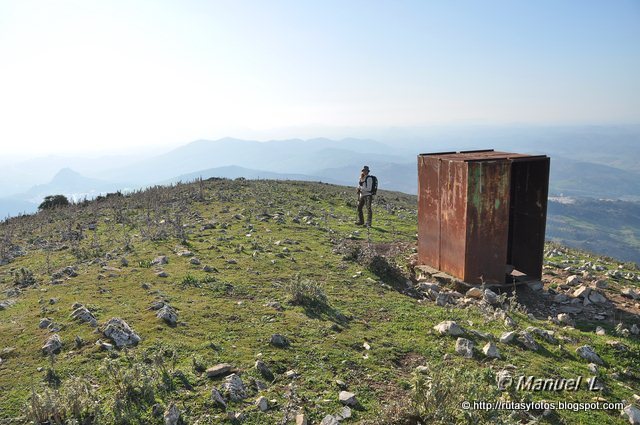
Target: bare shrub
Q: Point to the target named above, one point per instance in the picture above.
(305, 292)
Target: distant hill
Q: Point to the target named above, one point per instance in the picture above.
(71, 184)
(233, 172)
(602, 226)
(587, 179)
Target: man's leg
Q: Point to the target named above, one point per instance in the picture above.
(360, 214)
(367, 201)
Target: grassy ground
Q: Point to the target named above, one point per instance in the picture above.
(262, 234)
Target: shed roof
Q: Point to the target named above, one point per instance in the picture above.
(482, 155)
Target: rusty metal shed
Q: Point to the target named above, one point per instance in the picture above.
(482, 214)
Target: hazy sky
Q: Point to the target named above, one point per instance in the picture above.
(89, 75)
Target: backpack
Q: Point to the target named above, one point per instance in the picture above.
(374, 185)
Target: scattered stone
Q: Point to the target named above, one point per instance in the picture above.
(448, 327)
(442, 299)
(617, 345)
(503, 379)
(70, 271)
(195, 261)
(428, 286)
(490, 296)
(45, 322)
(632, 413)
(635, 330)
(280, 341)
(162, 274)
(545, 334)
(464, 347)
(185, 253)
(168, 314)
(601, 284)
(171, 415)
(560, 298)
(161, 260)
(600, 331)
(262, 404)
(507, 337)
(347, 398)
(343, 414)
(587, 353)
(630, 293)
(509, 322)
(264, 370)
(301, 419)
(474, 292)
(597, 298)
(84, 315)
(573, 280)
(593, 368)
(145, 286)
(490, 350)
(291, 374)
(156, 305)
(217, 398)
(233, 388)
(527, 340)
(622, 330)
(582, 291)
(329, 420)
(260, 386)
(120, 332)
(235, 416)
(104, 345)
(53, 345)
(209, 269)
(218, 370)
(422, 369)
(565, 319)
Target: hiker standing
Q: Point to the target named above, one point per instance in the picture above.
(367, 187)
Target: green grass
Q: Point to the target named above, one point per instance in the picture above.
(223, 317)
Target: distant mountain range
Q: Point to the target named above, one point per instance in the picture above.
(598, 163)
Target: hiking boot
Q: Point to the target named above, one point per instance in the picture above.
(358, 223)
(367, 225)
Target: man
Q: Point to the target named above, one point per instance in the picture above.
(365, 185)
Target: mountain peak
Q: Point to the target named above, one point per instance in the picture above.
(66, 174)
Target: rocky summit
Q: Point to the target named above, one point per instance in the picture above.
(260, 302)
